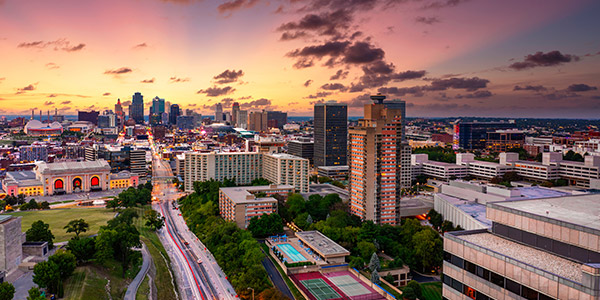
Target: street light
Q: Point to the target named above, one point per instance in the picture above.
(252, 292)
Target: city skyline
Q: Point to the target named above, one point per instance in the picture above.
(444, 58)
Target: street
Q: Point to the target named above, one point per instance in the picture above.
(193, 264)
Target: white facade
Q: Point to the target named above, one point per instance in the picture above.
(286, 169)
(441, 170)
(243, 166)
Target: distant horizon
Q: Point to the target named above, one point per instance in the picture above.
(70, 117)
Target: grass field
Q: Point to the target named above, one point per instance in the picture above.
(144, 290)
(432, 290)
(58, 218)
(90, 281)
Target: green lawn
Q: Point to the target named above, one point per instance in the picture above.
(89, 281)
(58, 218)
(143, 291)
(432, 290)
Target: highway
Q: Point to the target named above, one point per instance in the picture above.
(197, 269)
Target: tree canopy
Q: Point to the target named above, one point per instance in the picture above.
(40, 232)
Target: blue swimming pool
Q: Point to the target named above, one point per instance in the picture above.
(291, 252)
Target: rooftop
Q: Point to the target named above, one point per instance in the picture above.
(73, 166)
(285, 156)
(527, 255)
(475, 210)
(4, 218)
(581, 210)
(334, 168)
(239, 194)
(322, 244)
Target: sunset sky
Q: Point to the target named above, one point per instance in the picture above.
(534, 58)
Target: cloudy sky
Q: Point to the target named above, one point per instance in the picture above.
(513, 58)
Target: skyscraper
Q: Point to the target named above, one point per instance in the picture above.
(120, 115)
(136, 109)
(174, 113)
(219, 113)
(331, 134)
(158, 106)
(235, 109)
(379, 161)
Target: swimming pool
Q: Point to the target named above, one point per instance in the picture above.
(291, 252)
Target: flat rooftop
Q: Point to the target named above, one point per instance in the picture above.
(581, 210)
(238, 194)
(322, 244)
(443, 164)
(527, 255)
(475, 210)
(333, 168)
(286, 156)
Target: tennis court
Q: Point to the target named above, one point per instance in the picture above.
(291, 252)
(349, 285)
(320, 289)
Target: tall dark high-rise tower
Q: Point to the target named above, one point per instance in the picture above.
(136, 109)
(331, 134)
(174, 113)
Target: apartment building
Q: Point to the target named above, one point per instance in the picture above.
(379, 161)
(203, 166)
(278, 168)
(281, 168)
(240, 204)
(422, 165)
(554, 167)
(481, 169)
(536, 249)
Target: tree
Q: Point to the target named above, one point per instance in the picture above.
(265, 225)
(259, 181)
(154, 220)
(46, 275)
(32, 204)
(356, 262)
(7, 291)
(40, 232)
(309, 220)
(45, 205)
(409, 293)
(84, 249)
(447, 226)
(35, 294)
(66, 263)
(435, 218)
(416, 288)
(113, 203)
(365, 249)
(296, 205)
(428, 248)
(374, 263)
(375, 276)
(116, 239)
(78, 226)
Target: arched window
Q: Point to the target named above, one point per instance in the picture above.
(59, 184)
(77, 183)
(95, 181)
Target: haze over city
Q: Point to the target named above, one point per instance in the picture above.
(443, 57)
